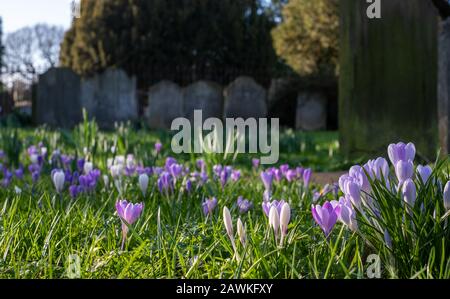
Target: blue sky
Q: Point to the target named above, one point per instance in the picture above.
(20, 13)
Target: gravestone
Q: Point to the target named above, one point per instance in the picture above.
(165, 103)
(110, 97)
(6, 103)
(311, 112)
(388, 77)
(444, 87)
(205, 96)
(58, 98)
(245, 98)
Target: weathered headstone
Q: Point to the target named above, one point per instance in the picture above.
(388, 77)
(58, 98)
(245, 98)
(110, 97)
(165, 103)
(311, 112)
(444, 87)
(6, 103)
(205, 96)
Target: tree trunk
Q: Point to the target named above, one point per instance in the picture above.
(388, 77)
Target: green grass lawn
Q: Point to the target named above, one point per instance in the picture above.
(43, 234)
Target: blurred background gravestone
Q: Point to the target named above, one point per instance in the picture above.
(203, 95)
(58, 101)
(6, 103)
(165, 103)
(110, 97)
(311, 111)
(245, 98)
(388, 76)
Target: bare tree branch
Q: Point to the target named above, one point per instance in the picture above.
(32, 50)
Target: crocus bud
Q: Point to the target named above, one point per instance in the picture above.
(354, 191)
(241, 232)
(17, 190)
(409, 192)
(401, 152)
(307, 177)
(267, 179)
(106, 180)
(424, 172)
(158, 147)
(129, 213)
(227, 221)
(285, 217)
(274, 220)
(58, 180)
(88, 166)
(255, 163)
(404, 170)
(447, 196)
(143, 182)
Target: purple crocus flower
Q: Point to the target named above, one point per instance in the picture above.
(299, 170)
(255, 163)
(229, 170)
(244, 205)
(19, 173)
(7, 177)
(353, 190)
(224, 175)
(144, 170)
(278, 175)
(169, 162)
(165, 183)
(326, 216)
(80, 165)
(203, 177)
(209, 205)
(175, 170)
(409, 192)
(128, 213)
(74, 190)
(201, 165)
(424, 172)
(66, 161)
(32, 150)
(307, 177)
(217, 169)
(188, 185)
(158, 147)
(284, 168)
(68, 176)
(291, 175)
(267, 179)
(377, 169)
(236, 175)
(401, 152)
(404, 170)
(347, 214)
(89, 181)
(35, 176)
(266, 206)
(158, 171)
